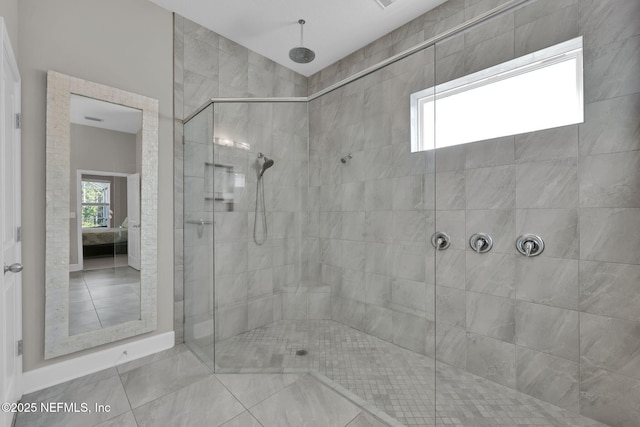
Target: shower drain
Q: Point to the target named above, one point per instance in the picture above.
(301, 353)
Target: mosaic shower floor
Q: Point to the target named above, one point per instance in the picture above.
(397, 381)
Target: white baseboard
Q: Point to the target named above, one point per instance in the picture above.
(77, 367)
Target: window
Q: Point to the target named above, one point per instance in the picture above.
(96, 209)
(537, 91)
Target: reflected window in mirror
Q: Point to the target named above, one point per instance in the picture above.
(104, 280)
(101, 214)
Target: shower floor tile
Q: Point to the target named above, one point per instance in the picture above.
(397, 381)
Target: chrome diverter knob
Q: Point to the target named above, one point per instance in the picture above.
(530, 245)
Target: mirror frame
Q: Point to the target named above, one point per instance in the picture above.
(58, 162)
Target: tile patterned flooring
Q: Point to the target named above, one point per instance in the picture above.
(348, 378)
(174, 388)
(399, 382)
(103, 297)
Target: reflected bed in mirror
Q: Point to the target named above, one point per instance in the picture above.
(104, 264)
(101, 214)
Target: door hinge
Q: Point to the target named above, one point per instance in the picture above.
(19, 234)
(18, 121)
(20, 348)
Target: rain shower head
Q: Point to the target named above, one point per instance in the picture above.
(301, 54)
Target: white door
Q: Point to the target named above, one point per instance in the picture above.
(133, 215)
(10, 252)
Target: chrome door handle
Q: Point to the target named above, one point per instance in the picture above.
(14, 268)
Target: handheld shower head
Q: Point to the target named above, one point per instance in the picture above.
(346, 158)
(266, 165)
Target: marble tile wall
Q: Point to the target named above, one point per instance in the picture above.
(545, 326)
(369, 218)
(560, 327)
(252, 281)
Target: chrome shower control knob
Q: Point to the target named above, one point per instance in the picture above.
(530, 245)
(481, 242)
(440, 241)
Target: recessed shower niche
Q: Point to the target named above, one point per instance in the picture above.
(349, 272)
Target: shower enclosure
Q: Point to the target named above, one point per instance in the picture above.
(463, 285)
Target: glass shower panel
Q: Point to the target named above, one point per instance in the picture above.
(373, 225)
(198, 236)
(258, 188)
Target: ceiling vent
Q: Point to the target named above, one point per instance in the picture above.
(385, 3)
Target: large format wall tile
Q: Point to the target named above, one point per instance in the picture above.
(491, 316)
(611, 126)
(610, 289)
(493, 152)
(610, 180)
(557, 227)
(608, 397)
(604, 21)
(410, 331)
(453, 224)
(451, 345)
(610, 344)
(608, 235)
(491, 359)
(491, 273)
(549, 281)
(489, 52)
(349, 312)
(451, 306)
(450, 268)
(548, 329)
(379, 322)
(548, 144)
(201, 57)
(559, 26)
(551, 184)
(450, 190)
(490, 188)
(533, 11)
(500, 224)
(549, 378)
(612, 69)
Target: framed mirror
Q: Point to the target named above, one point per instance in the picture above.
(101, 214)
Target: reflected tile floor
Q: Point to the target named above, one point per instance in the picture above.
(174, 388)
(103, 297)
(397, 381)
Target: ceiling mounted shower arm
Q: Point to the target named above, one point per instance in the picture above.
(301, 54)
(301, 22)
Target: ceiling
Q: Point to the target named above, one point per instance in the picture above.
(334, 28)
(105, 115)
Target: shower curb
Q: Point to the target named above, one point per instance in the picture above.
(373, 410)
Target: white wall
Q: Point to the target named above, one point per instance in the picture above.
(126, 44)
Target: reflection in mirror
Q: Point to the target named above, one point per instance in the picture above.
(104, 244)
(101, 216)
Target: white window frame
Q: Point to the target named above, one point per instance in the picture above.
(423, 135)
(106, 204)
